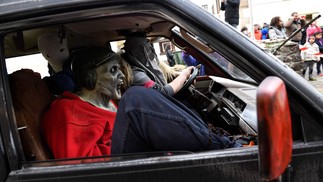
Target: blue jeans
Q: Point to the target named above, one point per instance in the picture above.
(150, 121)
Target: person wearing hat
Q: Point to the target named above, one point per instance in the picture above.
(80, 123)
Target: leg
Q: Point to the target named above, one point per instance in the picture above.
(310, 67)
(318, 67)
(149, 121)
(304, 68)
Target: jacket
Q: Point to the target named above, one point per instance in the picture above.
(309, 53)
(231, 8)
(275, 33)
(75, 128)
(291, 26)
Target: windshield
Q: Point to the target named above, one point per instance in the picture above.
(230, 68)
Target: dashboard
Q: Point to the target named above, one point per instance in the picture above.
(234, 103)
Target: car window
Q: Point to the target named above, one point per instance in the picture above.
(35, 62)
(223, 62)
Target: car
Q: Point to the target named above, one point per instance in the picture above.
(246, 91)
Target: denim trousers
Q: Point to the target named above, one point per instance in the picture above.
(149, 121)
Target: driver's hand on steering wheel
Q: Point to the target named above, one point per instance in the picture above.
(187, 72)
(179, 81)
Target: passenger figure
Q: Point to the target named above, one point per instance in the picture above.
(80, 123)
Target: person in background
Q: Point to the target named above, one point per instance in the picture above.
(319, 42)
(312, 28)
(276, 29)
(170, 56)
(257, 32)
(309, 58)
(264, 31)
(245, 31)
(231, 8)
(191, 61)
(293, 24)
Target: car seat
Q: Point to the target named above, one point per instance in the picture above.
(31, 98)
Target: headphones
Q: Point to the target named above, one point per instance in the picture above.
(90, 79)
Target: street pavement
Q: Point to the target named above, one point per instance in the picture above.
(318, 84)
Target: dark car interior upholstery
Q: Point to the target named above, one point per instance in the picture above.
(30, 99)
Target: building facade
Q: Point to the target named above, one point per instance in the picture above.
(261, 11)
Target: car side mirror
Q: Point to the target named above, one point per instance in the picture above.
(274, 128)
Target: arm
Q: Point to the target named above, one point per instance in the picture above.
(288, 23)
(178, 82)
(142, 79)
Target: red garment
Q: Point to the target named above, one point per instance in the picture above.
(258, 35)
(75, 128)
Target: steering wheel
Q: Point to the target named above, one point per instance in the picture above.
(189, 81)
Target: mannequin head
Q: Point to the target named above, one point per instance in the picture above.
(54, 49)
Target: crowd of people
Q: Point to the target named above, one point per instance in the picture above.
(296, 29)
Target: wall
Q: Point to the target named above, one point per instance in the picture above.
(264, 10)
(260, 11)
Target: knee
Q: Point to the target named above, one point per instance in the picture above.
(136, 91)
(137, 94)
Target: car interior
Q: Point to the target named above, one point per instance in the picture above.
(225, 97)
